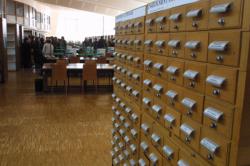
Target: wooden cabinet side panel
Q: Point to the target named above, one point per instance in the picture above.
(240, 148)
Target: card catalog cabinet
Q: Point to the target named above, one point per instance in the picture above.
(181, 95)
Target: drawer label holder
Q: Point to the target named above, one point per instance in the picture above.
(219, 46)
(191, 74)
(194, 13)
(210, 145)
(216, 81)
(213, 113)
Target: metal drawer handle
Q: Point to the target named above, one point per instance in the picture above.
(170, 119)
(210, 145)
(144, 146)
(145, 128)
(220, 8)
(156, 138)
(175, 17)
(174, 43)
(191, 74)
(187, 130)
(133, 148)
(193, 44)
(182, 163)
(133, 133)
(153, 158)
(219, 46)
(194, 13)
(216, 81)
(146, 101)
(168, 152)
(142, 162)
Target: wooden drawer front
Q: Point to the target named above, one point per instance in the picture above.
(134, 134)
(159, 134)
(129, 59)
(186, 158)
(155, 157)
(147, 102)
(196, 46)
(147, 126)
(159, 88)
(123, 58)
(148, 64)
(177, 19)
(137, 78)
(130, 42)
(150, 23)
(129, 75)
(173, 96)
(224, 48)
(136, 96)
(225, 14)
(158, 111)
(161, 44)
(175, 69)
(162, 22)
(197, 16)
(159, 66)
(221, 82)
(138, 60)
(149, 41)
(139, 25)
(218, 116)
(144, 146)
(129, 90)
(192, 105)
(124, 44)
(176, 45)
(135, 118)
(172, 119)
(125, 28)
(190, 132)
(170, 152)
(134, 150)
(139, 43)
(214, 148)
(148, 83)
(131, 26)
(195, 76)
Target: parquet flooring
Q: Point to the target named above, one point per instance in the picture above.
(52, 129)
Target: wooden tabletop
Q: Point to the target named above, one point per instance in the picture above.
(79, 66)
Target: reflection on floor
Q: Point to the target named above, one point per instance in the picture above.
(54, 130)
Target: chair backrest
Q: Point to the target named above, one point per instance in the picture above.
(90, 62)
(74, 59)
(59, 72)
(90, 71)
(102, 60)
(62, 61)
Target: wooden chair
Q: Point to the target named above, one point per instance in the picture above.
(74, 59)
(59, 73)
(89, 73)
(62, 61)
(102, 60)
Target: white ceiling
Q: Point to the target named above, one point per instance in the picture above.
(107, 7)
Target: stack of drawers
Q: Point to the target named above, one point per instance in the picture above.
(193, 87)
(127, 95)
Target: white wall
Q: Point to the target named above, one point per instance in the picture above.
(76, 25)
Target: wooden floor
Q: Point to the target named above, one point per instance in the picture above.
(54, 130)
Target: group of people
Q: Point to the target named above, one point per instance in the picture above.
(35, 50)
(98, 43)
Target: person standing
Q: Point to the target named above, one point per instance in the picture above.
(37, 53)
(26, 53)
(48, 50)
